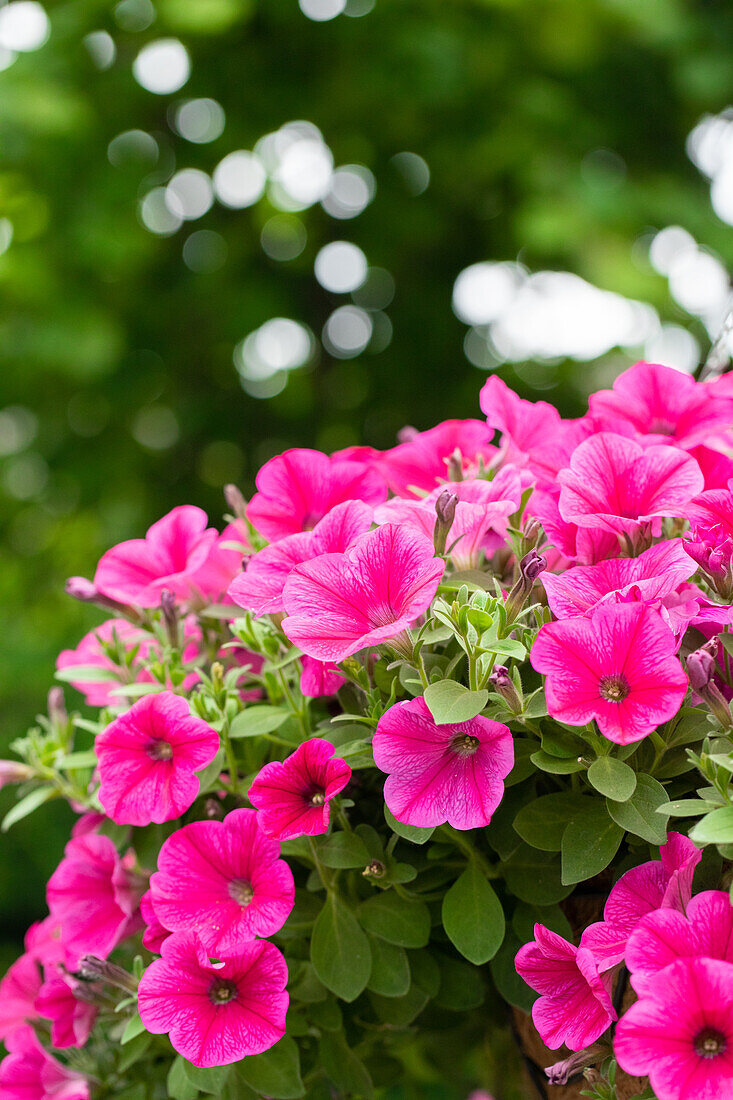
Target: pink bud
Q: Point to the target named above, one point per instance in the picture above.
(12, 771)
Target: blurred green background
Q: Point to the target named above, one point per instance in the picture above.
(169, 318)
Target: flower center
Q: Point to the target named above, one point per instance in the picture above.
(318, 798)
(241, 891)
(614, 688)
(222, 991)
(158, 749)
(710, 1042)
(662, 427)
(464, 744)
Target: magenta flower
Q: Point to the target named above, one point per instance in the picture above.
(420, 460)
(91, 653)
(223, 881)
(665, 935)
(298, 488)
(680, 1032)
(148, 759)
(93, 896)
(18, 991)
(710, 541)
(224, 561)
(575, 1006)
(340, 603)
(29, 1073)
(642, 890)
(215, 1013)
(663, 405)
(173, 550)
(616, 484)
(657, 572)
(260, 587)
(72, 1017)
(154, 933)
(292, 797)
(320, 678)
(616, 664)
(452, 773)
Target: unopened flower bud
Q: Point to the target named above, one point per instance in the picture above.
(93, 969)
(530, 567)
(445, 511)
(701, 667)
(236, 503)
(170, 615)
(217, 675)
(455, 466)
(503, 684)
(561, 1072)
(86, 591)
(57, 707)
(12, 771)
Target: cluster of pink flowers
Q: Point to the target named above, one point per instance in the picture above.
(342, 557)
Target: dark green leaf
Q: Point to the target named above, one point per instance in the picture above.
(541, 823)
(638, 815)
(256, 720)
(612, 778)
(276, 1073)
(396, 920)
(461, 987)
(344, 1067)
(556, 765)
(407, 832)
(390, 969)
(178, 1085)
(343, 850)
(450, 702)
(340, 950)
(210, 1080)
(27, 805)
(535, 877)
(473, 917)
(589, 844)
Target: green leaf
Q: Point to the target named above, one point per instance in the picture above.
(541, 823)
(178, 1085)
(340, 950)
(556, 765)
(276, 1073)
(134, 1027)
(399, 1012)
(638, 815)
(85, 674)
(535, 877)
(343, 850)
(461, 986)
(450, 702)
(684, 807)
(27, 805)
(407, 832)
(714, 828)
(396, 920)
(134, 1050)
(503, 971)
(589, 843)
(347, 1072)
(473, 917)
(210, 1080)
(87, 759)
(390, 969)
(257, 720)
(612, 778)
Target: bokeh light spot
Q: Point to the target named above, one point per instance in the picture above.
(340, 267)
(205, 252)
(24, 26)
(199, 120)
(347, 332)
(189, 194)
(162, 67)
(321, 10)
(283, 237)
(239, 179)
(156, 427)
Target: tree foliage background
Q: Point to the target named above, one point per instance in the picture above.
(554, 134)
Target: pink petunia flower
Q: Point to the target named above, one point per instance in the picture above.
(662, 405)
(224, 561)
(148, 759)
(614, 483)
(223, 881)
(452, 773)
(710, 540)
(260, 587)
(154, 933)
(665, 935)
(657, 572)
(575, 1006)
(18, 991)
(215, 1013)
(93, 895)
(292, 797)
(298, 488)
(319, 678)
(420, 460)
(63, 1000)
(680, 1032)
(30, 1073)
(92, 654)
(172, 552)
(616, 664)
(340, 603)
(482, 509)
(581, 545)
(665, 884)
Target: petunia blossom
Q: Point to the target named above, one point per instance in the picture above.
(30, 1073)
(18, 991)
(338, 604)
(148, 759)
(223, 881)
(662, 405)
(319, 678)
(172, 552)
(441, 773)
(215, 1013)
(574, 1007)
(420, 460)
(93, 896)
(665, 935)
(66, 1002)
(292, 797)
(656, 884)
(298, 488)
(680, 1032)
(655, 573)
(617, 664)
(616, 484)
(260, 587)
